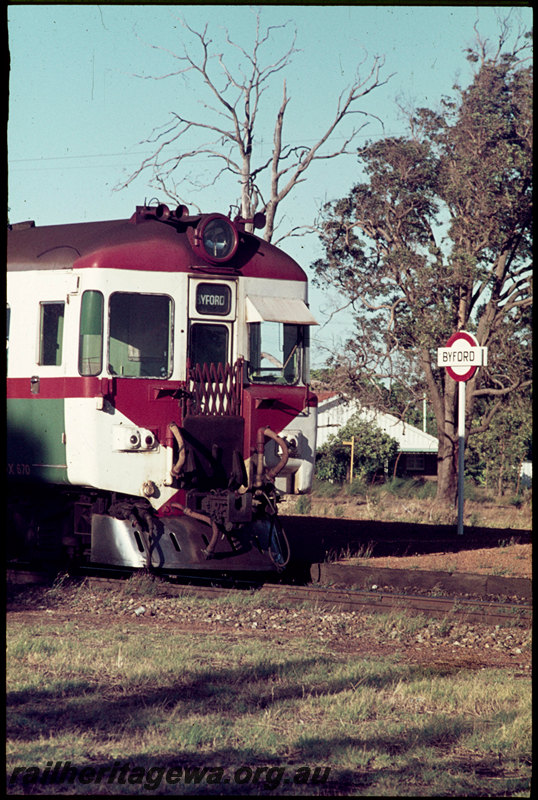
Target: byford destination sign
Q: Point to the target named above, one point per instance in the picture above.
(462, 356)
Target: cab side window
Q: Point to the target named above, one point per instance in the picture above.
(140, 341)
(276, 352)
(51, 330)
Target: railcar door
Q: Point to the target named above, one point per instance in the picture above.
(212, 312)
(213, 424)
(41, 321)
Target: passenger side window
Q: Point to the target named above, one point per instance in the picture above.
(51, 330)
(90, 350)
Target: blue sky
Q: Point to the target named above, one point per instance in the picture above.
(78, 113)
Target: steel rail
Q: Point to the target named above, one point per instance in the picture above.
(360, 601)
(490, 612)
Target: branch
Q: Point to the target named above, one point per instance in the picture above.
(487, 420)
(297, 231)
(515, 289)
(358, 90)
(247, 83)
(489, 392)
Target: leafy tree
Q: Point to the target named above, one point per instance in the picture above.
(437, 240)
(495, 455)
(373, 450)
(232, 99)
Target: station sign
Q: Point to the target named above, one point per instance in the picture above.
(462, 356)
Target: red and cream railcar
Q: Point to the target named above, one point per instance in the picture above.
(158, 392)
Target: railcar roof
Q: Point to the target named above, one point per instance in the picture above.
(143, 245)
(57, 246)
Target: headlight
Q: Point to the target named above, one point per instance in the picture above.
(217, 237)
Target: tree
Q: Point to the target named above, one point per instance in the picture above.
(373, 451)
(437, 240)
(231, 100)
(495, 455)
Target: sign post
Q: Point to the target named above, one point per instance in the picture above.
(461, 357)
(461, 452)
(352, 443)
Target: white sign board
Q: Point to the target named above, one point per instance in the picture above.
(462, 355)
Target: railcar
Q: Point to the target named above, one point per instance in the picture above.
(158, 399)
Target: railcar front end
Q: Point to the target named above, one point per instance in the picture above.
(158, 398)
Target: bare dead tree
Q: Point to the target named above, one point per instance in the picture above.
(231, 106)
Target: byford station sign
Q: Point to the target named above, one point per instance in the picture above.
(462, 356)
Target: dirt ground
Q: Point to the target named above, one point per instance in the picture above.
(512, 561)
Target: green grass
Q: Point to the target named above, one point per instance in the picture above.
(303, 505)
(325, 488)
(101, 697)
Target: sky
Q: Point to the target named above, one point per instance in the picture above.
(82, 101)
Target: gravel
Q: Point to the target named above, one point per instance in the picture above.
(367, 634)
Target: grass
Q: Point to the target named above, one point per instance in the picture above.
(102, 696)
(411, 500)
(304, 504)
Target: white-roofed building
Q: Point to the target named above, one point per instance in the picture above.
(417, 449)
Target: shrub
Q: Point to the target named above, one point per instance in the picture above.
(473, 492)
(373, 450)
(517, 500)
(427, 490)
(411, 487)
(398, 487)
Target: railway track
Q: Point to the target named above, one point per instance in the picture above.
(487, 611)
(490, 612)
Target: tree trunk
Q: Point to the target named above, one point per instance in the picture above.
(447, 473)
(447, 477)
(518, 480)
(500, 487)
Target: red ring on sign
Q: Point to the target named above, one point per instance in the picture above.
(471, 371)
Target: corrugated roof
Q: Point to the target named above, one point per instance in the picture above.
(334, 411)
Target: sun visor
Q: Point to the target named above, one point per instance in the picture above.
(279, 309)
